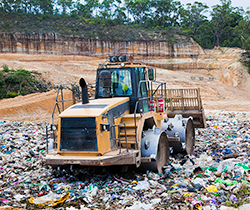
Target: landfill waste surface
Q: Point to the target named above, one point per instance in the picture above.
(215, 176)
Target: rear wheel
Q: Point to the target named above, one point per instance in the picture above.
(190, 136)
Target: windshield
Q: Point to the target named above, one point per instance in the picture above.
(120, 83)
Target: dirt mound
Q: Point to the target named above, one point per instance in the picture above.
(34, 107)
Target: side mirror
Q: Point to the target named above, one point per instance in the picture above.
(151, 74)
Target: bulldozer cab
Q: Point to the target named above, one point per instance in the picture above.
(123, 79)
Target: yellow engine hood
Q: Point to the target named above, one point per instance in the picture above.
(94, 108)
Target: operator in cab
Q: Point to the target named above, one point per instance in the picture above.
(120, 87)
(123, 85)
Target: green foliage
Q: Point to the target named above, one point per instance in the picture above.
(11, 95)
(247, 63)
(2, 85)
(12, 79)
(245, 59)
(19, 82)
(227, 26)
(5, 68)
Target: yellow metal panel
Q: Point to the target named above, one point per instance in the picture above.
(162, 115)
(59, 135)
(103, 137)
(94, 112)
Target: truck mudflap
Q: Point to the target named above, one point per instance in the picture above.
(133, 157)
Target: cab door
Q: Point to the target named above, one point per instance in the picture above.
(142, 89)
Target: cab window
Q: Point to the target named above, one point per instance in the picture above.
(121, 83)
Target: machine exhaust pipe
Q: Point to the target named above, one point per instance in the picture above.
(85, 96)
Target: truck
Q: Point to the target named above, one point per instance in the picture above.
(128, 122)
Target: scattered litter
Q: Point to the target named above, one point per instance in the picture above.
(215, 176)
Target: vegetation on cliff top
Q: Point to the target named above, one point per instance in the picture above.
(115, 20)
(20, 82)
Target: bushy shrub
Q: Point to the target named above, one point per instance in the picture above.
(5, 68)
(11, 95)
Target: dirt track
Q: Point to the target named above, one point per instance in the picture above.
(62, 69)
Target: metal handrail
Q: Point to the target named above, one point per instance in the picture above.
(60, 90)
(149, 84)
(119, 139)
(56, 105)
(136, 104)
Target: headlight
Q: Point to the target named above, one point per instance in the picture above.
(53, 127)
(105, 127)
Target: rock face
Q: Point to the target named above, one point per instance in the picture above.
(220, 63)
(51, 43)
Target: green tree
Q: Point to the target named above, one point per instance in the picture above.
(243, 30)
(224, 18)
(11, 5)
(194, 15)
(46, 6)
(2, 86)
(204, 34)
(27, 6)
(163, 9)
(175, 16)
(65, 4)
(5, 5)
(16, 5)
(105, 9)
(86, 8)
(119, 14)
(139, 9)
(20, 76)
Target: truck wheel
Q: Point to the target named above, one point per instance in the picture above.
(162, 152)
(158, 150)
(190, 136)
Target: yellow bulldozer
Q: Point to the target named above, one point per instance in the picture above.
(133, 120)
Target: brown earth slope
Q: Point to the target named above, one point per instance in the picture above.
(223, 80)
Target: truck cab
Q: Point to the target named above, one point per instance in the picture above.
(118, 77)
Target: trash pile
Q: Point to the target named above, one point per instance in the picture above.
(215, 176)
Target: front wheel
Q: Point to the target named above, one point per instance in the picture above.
(162, 153)
(156, 146)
